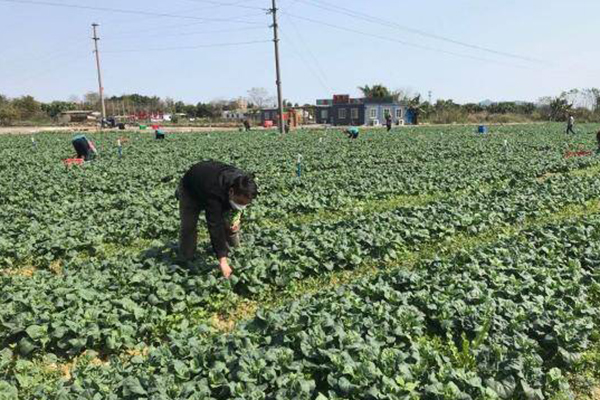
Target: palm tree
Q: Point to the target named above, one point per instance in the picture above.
(375, 92)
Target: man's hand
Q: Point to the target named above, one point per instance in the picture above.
(225, 268)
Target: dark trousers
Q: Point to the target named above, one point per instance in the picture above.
(189, 213)
(389, 127)
(570, 130)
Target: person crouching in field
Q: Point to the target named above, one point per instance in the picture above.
(85, 148)
(223, 192)
(352, 132)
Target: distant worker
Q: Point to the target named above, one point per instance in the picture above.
(570, 124)
(223, 192)
(598, 140)
(159, 134)
(286, 127)
(247, 126)
(85, 148)
(352, 132)
(388, 122)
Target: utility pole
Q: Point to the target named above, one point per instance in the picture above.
(275, 27)
(430, 97)
(100, 87)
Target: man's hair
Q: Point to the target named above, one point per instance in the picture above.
(245, 186)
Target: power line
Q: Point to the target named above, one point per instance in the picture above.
(309, 51)
(230, 44)
(183, 34)
(123, 11)
(190, 11)
(236, 4)
(403, 42)
(299, 54)
(366, 17)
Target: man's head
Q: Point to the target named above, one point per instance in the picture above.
(242, 192)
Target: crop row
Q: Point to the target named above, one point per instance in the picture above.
(503, 321)
(120, 302)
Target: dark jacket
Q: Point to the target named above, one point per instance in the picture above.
(208, 183)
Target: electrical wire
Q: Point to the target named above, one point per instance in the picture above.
(366, 17)
(183, 34)
(403, 42)
(236, 4)
(295, 49)
(186, 12)
(124, 11)
(309, 51)
(230, 44)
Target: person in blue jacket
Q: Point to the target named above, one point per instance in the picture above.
(352, 132)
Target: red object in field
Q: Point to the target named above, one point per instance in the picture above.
(73, 161)
(570, 154)
(268, 124)
(155, 127)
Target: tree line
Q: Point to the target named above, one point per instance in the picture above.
(583, 104)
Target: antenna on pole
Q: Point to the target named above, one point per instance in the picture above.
(275, 27)
(100, 87)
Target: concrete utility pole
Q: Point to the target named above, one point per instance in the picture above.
(430, 93)
(100, 87)
(275, 27)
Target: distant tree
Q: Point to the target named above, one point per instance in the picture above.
(180, 107)
(404, 95)
(190, 111)
(375, 92)
(56, 107)
(204, 110)
(170, 104)
(472, 108)
(8, 113)
(27, 107)
(260, 97)
(91, 101)
(559, 109)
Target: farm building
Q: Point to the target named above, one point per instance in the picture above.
(234, 115)
(76, 116)
(296, 116)
(343, 110)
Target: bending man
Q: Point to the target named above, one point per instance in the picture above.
(223, 192)
(84, 147)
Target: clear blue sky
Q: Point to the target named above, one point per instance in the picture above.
(47, 52)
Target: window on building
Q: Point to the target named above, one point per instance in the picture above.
(354, 113)
(324, 114)
(399, 113)
(342, 113)
(386, 112)
(267, 115)
(373, 113)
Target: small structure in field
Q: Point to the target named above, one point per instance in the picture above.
(76, 117)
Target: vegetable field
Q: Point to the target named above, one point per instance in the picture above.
(429, 263)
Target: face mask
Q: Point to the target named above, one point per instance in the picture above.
(236, 206)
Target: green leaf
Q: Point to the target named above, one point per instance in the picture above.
(37, 332)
